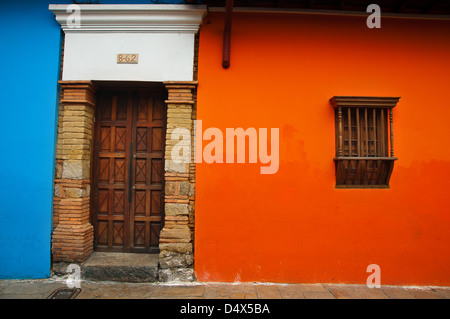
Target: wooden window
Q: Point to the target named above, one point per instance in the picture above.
(364, 141)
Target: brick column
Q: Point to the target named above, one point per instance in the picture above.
(176, 258)
(72, 239)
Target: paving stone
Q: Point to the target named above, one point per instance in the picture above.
(177, 291)
(214, 292)
(343, 292)
(268, 292)
(90, 294)
(312, 287)
(41, 289)
(291, 292)
(364, 292)
(176, 297)
(318, 295)
(22, 296)
(424, 294)
(3, 284)
(96, 291)
(104, 295)
(133, 292)
(244, 288)
(114, 291)
(250, 296)
(397, 293)
(443, 292)
(237, 296)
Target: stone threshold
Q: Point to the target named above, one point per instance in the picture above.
(120, 267)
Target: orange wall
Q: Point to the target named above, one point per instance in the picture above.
(294, 226)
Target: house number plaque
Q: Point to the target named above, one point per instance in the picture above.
(123, 58)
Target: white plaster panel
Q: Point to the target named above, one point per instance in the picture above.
(162, 56)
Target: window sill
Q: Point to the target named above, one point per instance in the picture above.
(363, 172)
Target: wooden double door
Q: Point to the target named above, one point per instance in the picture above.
(128, 171)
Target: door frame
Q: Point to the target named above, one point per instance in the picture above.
(72, 237)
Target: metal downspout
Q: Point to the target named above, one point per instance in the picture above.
(227, 35)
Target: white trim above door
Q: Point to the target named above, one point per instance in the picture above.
(161, 35)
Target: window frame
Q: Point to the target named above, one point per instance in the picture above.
(367, 169)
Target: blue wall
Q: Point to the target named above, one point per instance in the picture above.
(29, 69)
(30, 41)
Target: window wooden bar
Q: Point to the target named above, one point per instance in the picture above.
(358, 167)
(391, 131)
(374, 116)
(348, 165)
(373, 172)
(349, 121)
(366, 129)
(358, 138)
(382, 137)
(339, 171)
(340, 132)
(364, 172)
(380, 172)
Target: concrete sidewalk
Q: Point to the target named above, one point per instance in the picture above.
(42, 288)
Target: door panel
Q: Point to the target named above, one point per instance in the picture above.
(128, 190)
(146, 209)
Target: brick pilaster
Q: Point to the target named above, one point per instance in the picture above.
(176, 257)
(72, 238)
